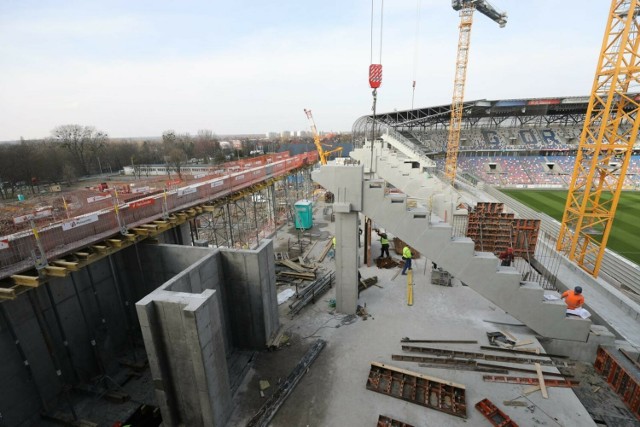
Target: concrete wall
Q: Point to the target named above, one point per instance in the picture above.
(251, 295)
(20, 402)
(221, 299)
(184, 340)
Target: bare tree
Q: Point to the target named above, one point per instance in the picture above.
(82, 142)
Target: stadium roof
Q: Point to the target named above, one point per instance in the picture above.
(561, 111)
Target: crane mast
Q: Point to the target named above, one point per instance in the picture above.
(466, 8)
(324, 155)
(606, 141)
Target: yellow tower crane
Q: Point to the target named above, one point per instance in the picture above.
(466, 8)
(324, 155)
(609, 132)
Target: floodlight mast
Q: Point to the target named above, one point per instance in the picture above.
(466, 8)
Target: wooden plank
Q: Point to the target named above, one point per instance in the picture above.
(325, 251)
(71, 266)
(529, 390)
(543, 387)
(521, 343)
(116, 243)
(56, 271)
(100, 248)
(130, 236)
(141, 231)
(24, 280)
(84, 255)
(7, 293)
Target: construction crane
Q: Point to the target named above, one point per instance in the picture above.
(606, 142)
(466, 8)
(324, 155)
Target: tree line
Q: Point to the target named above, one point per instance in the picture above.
(74, 151)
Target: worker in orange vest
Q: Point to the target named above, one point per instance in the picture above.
(573, 298)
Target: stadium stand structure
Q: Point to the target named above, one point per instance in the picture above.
(517, 143)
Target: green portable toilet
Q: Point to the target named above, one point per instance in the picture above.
(304, 214)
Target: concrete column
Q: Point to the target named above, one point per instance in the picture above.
(185, 346)
(347, 262)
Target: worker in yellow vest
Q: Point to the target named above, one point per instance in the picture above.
(332, 254)
(406, 256)
(384, 242)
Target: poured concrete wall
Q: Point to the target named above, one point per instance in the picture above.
(251, 294)
(220, 299)
(107, 290)
(20, 388)
(184, 341)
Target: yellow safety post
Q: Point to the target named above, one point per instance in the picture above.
(410, 287)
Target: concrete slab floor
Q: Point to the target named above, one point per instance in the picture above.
(333, 391)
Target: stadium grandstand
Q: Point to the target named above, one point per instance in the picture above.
(523, 143)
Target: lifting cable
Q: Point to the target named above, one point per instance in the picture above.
(375, 73)
(415, 53)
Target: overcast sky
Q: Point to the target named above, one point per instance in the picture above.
(137, 68)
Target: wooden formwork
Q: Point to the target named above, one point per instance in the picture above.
(434, 393)
(621, 374)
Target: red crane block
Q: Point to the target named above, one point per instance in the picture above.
(375, 75)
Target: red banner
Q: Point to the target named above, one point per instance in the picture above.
(543, 102)
(141, 203)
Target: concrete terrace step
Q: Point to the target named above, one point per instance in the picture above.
(481, 272)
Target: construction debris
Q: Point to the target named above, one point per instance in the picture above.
(463, 367)
(311, 292)
(390, 422)
(407, 339)
(468, 365)
(367, 283)
(388, 263)
(530, 381)
(497, 338)
(440, 277)
(483, 356)
(523, 351)
(434, 393)
(271, 406)
(514, 403)
(495, 416)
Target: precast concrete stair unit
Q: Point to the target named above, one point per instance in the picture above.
(419, 227)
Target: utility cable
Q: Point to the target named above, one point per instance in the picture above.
(415, 53)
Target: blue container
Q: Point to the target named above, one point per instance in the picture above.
(304, 214)
(21, 197)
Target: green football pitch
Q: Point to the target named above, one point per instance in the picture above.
(625, 234)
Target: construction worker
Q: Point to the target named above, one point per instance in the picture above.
(406, 256)
(384, 242)
(507, 257)
(573, 298)
(332, 255)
